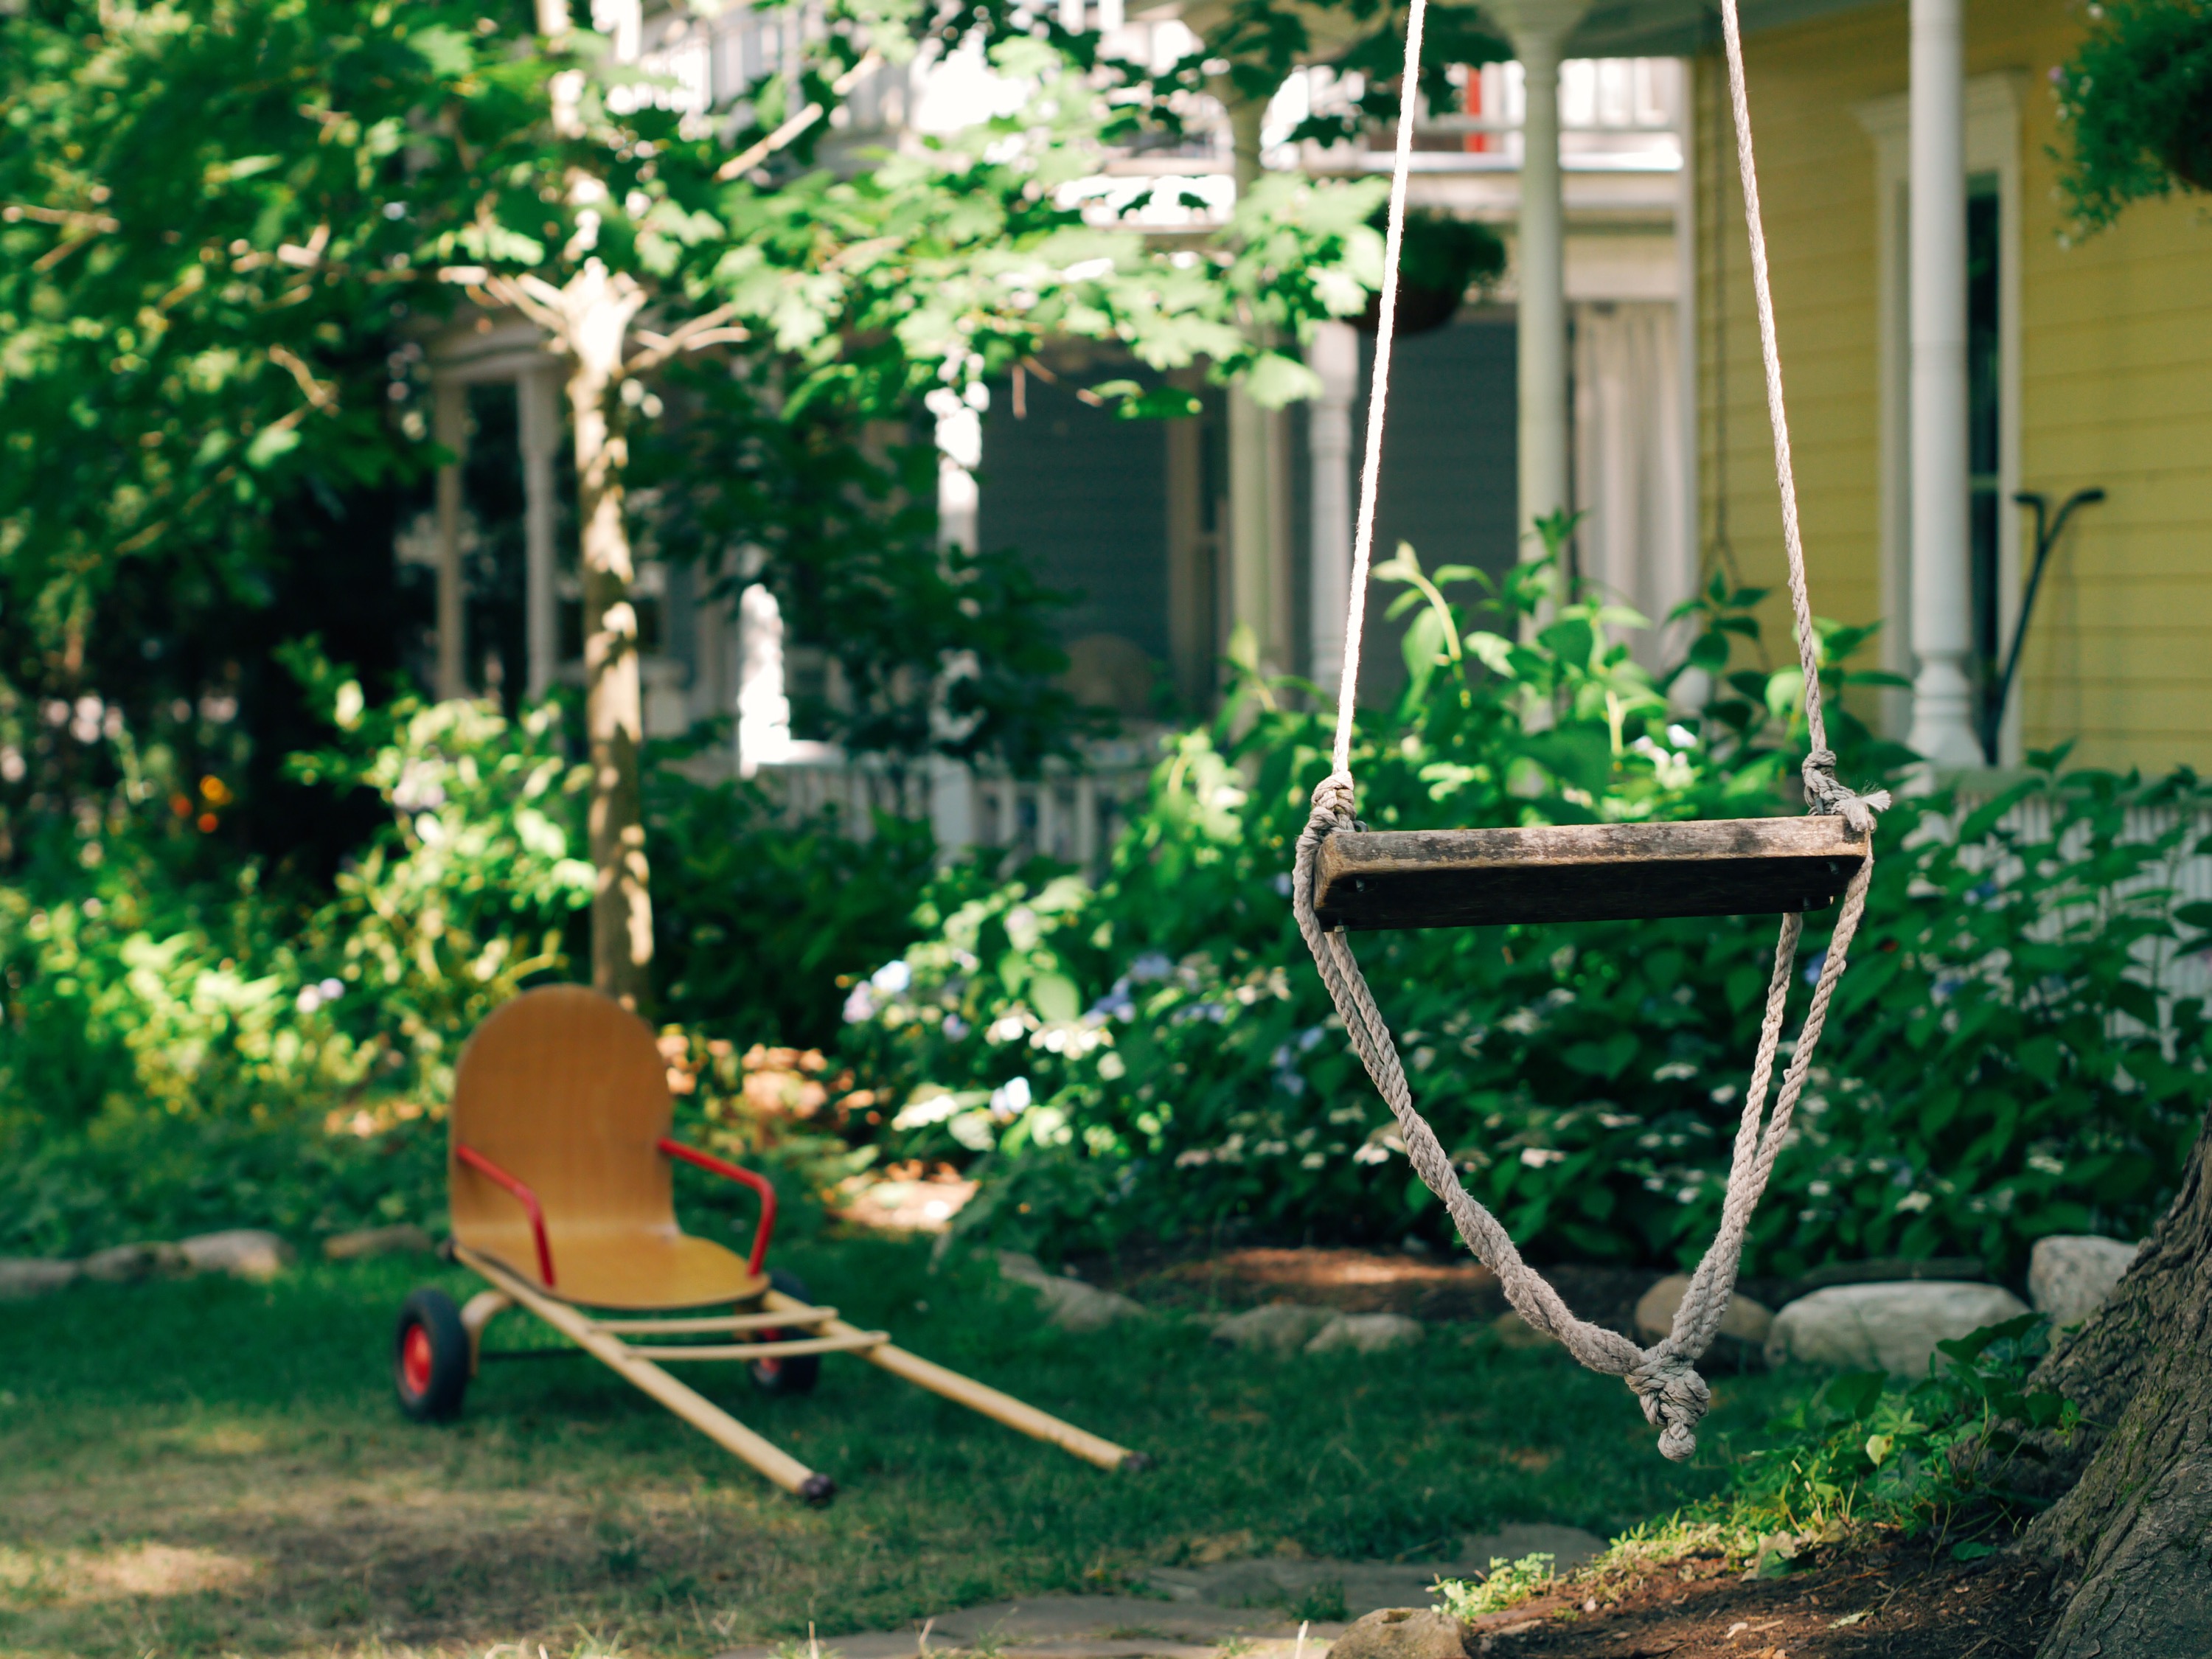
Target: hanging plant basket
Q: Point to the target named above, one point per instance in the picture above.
(2136, 103)
(1442, 259)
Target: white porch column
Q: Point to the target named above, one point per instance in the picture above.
(1942, 692)
(537, 396)
(1335, 356)
(450, 427)
(1538, 30)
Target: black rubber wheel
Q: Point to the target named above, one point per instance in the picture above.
(430, 1357)
(798, 1374)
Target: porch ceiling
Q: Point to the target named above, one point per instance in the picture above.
(1669, 29)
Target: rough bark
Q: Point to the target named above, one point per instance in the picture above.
(599, 310)
(2131, 1541)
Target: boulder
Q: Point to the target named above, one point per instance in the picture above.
(1888, 1327)
(406, 1239)
(2068, 1277)
(1278, 1327)
(1746, 1320)
(1402, 1633)
(241, 1252)
(24, 1276)
(1374, 1333)
(1069, 1303)
(125, 1264)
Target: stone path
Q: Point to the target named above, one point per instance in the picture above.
(1193, 1613)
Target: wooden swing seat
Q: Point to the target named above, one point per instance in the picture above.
(567, 1092)
(1373, 879)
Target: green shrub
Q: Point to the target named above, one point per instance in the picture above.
(184, 1051)
(1156, 1059)
(1939, 1453)
(759, 921)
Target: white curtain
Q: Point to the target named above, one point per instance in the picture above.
(1629, 462)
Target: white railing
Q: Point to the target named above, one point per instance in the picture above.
(1069, 813)
(2172, 971)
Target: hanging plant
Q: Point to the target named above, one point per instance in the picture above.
(1441, 259)
(2135, 102)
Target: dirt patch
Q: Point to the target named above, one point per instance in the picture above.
(1437, 1290)
(1898, 1602)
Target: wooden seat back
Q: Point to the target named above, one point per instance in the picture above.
(566, 1090)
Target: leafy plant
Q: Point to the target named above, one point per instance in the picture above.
(1153, 1059)
(1936, 1454)
(1507, 1584)
(2135, 102)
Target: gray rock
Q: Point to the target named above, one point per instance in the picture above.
(1069, 1303)
(241, 1252)
(1888, 1327)
(2068, 1277)
(1374, 1333)
(125, 1264)
(24, 1276)
(1402, 1633)
(407, 1239)
(1278, 1328)
(1746, 1320)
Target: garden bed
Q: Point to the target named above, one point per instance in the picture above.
(1898, 1600)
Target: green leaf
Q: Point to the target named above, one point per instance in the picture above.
(1854, 1393)
(1274, 380)
(1055, 999)
(270, 443)
(1580, 754)
(446, 51)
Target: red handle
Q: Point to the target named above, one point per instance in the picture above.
(731, 1172)
(483, 1166)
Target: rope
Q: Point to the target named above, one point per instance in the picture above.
(1378, 392)
(1664, 1377)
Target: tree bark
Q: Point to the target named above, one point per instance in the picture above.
(2131, 1541)
(599, 312)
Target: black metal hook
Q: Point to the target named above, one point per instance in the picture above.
(2048, 529)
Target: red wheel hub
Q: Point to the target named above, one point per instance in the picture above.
(415, 1360)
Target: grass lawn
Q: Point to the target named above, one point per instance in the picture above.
(207, 1467)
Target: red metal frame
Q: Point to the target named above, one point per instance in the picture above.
(730, 1172)
(483, 1166)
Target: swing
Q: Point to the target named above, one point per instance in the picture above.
(1346, 877)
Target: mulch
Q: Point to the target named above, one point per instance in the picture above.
(1896, 1601)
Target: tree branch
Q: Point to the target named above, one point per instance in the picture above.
(706, 329)
(753, 155)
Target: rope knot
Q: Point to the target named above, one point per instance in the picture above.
(1828, 795)
(1673, 1397)
(1334, 799)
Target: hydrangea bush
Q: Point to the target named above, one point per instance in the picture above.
(1155, 1057)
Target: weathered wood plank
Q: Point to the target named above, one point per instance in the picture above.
(1584, 872)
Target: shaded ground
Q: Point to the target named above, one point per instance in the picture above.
(203, 1467)
(1900, 1603)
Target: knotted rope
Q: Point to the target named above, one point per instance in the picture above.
(1665, 1376)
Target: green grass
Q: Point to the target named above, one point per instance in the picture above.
(206, 1467)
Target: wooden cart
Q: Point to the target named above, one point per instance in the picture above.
(561, 1184)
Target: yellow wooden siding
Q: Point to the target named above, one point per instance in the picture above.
(2116, 380)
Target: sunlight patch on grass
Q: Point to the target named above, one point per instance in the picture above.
(35, 1578)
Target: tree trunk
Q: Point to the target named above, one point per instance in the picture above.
(599, 311)
(2132, 1539)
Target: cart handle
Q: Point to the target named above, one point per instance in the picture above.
(731, 1172)
(483, 1166)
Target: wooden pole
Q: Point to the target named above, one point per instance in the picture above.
(1000, 1408)
(702, 1414)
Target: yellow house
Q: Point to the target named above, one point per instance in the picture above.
(2088, 367)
